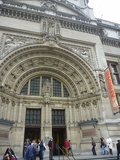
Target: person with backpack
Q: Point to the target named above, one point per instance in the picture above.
(41, 149)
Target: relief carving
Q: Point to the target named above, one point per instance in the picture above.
(13, 41)
(84, 52)
(46, 91)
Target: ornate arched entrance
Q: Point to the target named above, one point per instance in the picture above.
(76, 78)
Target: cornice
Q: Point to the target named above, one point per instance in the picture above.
(35, 16)
(78, 25)
(110, 42)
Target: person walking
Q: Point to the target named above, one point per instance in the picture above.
(93, 146)
(70, 149)
(30, 152)
(26, 144)
(66, 147)
(51, 148)
(34, 144)
(118, 149)
(103, 146)
(41, 149)
(109, 144)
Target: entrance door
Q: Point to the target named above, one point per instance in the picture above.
(59, 135)
(32, 133)
(58, 129)
(33, 124)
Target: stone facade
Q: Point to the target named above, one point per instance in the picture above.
(63, 40)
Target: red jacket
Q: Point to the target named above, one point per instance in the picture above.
(66, 144)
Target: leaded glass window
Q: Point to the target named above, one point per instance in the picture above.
(58, 117)
(114, 71)
(34, 86)
(33, 117)
(56, 88)
(24, 90)
(66, 94)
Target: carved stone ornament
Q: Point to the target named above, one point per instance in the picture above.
(46, 91)
(50, 28)
(82, 51)
(11, 42)
(49, 5)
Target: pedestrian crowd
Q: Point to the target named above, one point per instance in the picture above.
(106, 146)
(33, 149)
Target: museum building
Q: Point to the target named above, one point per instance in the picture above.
(59, 74)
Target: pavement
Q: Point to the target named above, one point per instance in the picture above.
(83, 156)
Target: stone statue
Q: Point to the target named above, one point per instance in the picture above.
(46, 91)
(102, 83)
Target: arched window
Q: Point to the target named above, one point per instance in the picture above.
(35, 85)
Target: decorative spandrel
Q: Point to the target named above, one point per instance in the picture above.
(11, 42)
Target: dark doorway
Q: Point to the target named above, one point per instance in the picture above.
(59, 135)
(32, 134)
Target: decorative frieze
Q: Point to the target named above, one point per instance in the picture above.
(11, 42)
(82, 51)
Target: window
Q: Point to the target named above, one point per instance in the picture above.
(35, 87)
(66, 94)
(58, 117)
(114, 72)
(24, 90)
(33, 117)
(118, 98)
(56, 88)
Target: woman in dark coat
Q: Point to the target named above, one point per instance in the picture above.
(9, 152)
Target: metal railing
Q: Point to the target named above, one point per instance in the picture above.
(64, 154)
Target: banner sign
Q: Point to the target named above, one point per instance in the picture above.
(111, 90)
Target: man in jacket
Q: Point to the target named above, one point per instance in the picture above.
(51, 148)
(118, 149)
(66, 146)
(30, 152)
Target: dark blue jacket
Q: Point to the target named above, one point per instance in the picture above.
(30, 152)
(42, 148)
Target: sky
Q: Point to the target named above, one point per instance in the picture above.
(106, 9)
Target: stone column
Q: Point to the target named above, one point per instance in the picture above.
(70, 112)
(8, 109)
(5, 108)
(1, 107)
(46, 113)
(20, 112)
(75, 115)
(15, 112)
(12, 111)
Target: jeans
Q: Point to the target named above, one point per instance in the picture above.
(30, 158)
(93, 150)
(103, 149)
(118, 153)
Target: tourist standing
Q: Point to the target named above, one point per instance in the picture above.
(51, 148)
(118, 149)
(93, 146)
(109, 144)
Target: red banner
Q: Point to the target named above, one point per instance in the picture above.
(111, 90)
